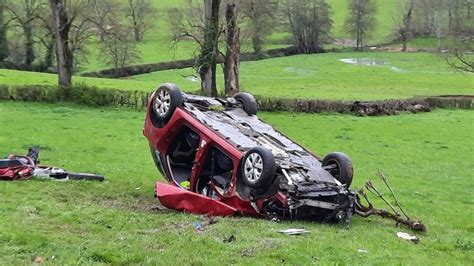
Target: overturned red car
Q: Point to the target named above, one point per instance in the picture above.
(220, 159)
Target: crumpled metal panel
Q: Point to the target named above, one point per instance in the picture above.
(173, 197)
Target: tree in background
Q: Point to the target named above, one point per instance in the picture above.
(44, 34)
(104, 13)
(450, 22)
(260, 17)
(310, 24)
(23, 13)
(139, 13)
(403, 25)
(200, 23)
(187, 22)
(210, 48)
(460, 41)
(361, 21)
(3, 34)
(72, 28)
(119, 48)
(232, 57)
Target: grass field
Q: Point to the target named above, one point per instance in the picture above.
(429, 158)
(321, 76)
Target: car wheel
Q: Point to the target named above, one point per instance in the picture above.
(258, 168)
(248, 102)
(340, 166)
(167, 98)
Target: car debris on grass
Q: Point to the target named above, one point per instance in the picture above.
(22, 167)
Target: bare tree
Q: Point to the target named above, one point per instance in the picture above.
(361, 20)
(103, 14)
(426, 16)
(72, 29)
(232, 58)
(44, 34)
(260, 17)
(119, 48)
(200, 23)
(23, 14)
(139, 13)
(310, 24)
(460, 40)
(187, 22)
(403, 26)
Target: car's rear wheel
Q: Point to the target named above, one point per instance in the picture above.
(339, 165)
(166, 99)
(258, 168)
(247, 101)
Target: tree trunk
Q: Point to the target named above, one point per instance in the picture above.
(29, 52)
(404, 44)
(64, 55)
(257, 44)
(3, 34)
(207, 61)
(49, 56)
(138, 36)
(133, 16)
(232, 58)
(407, 26)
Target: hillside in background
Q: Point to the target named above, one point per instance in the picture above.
(157, 46)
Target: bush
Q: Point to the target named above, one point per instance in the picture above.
(80, 94)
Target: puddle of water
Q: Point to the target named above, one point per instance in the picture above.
(299, 71)
(371, 62)
(365, 61)
(396, 69)
(192, 78)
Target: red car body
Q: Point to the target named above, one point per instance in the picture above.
(176, 197)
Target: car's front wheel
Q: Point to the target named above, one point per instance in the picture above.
(166, 99)
(247, 101)
(339, 166)
(258, 168)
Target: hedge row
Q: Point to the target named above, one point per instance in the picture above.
(180, 64)
(80, 94)
(93, 96)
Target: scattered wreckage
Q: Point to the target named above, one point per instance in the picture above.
(21, 167)
(220, 159)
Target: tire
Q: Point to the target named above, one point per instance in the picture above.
(84, 176)
(248, 102)
(343, 170)
(257, 168)
(166, 99)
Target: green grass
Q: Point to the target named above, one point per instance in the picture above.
(320, 76)
(323, 76)
(428, 158)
